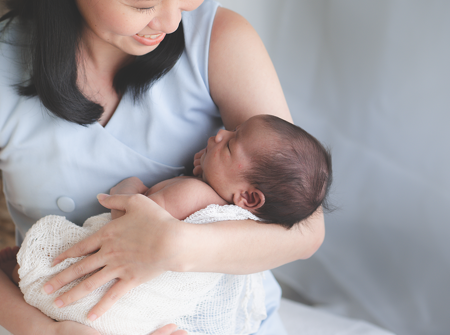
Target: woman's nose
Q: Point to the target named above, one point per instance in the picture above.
(168, 18)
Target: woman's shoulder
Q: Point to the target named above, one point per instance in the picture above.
(198, 24)
(204, 14)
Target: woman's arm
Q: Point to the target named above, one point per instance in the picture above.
(18, 317)
(242, 78)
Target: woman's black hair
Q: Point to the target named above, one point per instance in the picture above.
(55, 29)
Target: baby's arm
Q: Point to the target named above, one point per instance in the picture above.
(183, 196)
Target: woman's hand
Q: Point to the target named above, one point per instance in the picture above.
(132, 185)
(135, 248)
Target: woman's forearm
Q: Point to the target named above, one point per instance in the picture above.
(16, 315)
(243, 247)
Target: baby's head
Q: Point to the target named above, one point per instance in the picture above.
(271, 167)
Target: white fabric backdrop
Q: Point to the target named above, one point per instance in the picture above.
(372, 80)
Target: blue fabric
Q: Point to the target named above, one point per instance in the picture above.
(272, 325)
(44, 158)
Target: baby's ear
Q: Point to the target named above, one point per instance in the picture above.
(251, 199)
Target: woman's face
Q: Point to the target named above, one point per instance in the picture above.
(134, 26)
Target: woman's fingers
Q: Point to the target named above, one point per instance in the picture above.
(82, 248)
(84, 288)
(110, 298)
(133, 203)
(115, 214)
(79, 269)
(166, 330)
(117, 201)
(169, 329)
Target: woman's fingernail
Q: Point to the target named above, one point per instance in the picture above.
(92, 317)
(55, 261)
(48, 288)
(59, 303)
(102, 196)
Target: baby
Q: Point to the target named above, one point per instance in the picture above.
(267, 166)
(272, 168)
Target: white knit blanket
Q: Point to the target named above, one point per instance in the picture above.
(200, 303)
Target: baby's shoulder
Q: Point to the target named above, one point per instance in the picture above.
(183, 196)
(192, 184)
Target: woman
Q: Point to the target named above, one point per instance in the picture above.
(91, 65)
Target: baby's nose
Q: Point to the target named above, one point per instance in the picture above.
(219, 136)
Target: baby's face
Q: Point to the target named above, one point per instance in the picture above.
(229, 154)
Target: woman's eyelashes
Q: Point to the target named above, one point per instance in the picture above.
(146, 10)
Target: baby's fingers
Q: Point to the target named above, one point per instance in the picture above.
(199, 154)
(197, 171)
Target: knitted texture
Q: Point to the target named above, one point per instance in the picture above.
(200, 303)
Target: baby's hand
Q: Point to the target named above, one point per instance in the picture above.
(197, 166)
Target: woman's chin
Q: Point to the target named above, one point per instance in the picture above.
(134, 48)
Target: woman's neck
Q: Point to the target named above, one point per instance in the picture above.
(97, 55)
(98, 62)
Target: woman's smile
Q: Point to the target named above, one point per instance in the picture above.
(149, 40)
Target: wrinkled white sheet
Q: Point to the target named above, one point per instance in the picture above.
(372, 79)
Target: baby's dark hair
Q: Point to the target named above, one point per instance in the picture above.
(294, 177)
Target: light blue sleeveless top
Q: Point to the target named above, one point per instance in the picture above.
(51, 166)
